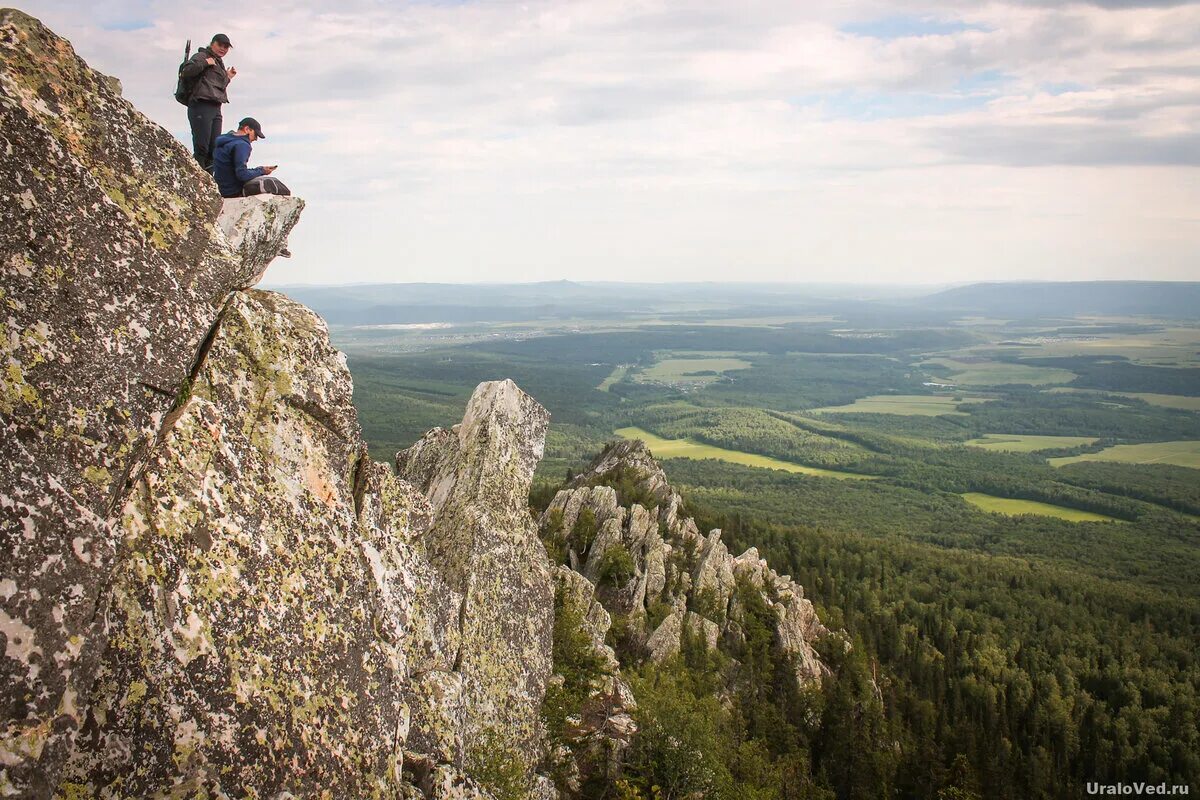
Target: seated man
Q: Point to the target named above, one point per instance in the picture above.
(234, 178)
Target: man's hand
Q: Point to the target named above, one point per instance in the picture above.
(269, 170)
(231, 72)
(212, 62)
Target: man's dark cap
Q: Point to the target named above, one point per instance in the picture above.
(252, 123)
(221, 38)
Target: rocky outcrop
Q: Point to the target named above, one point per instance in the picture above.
(256, 228)
(484, 545)
(113, 272)
(208, 589)
(679, 581)
(628, 552)
(245, 584)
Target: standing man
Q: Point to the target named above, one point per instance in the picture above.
(204, 106)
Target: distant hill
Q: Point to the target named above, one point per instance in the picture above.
(373, 304)
(1036, 299)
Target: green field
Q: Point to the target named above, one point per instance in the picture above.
(677, 370)
(995, 373)
(686, 448)
(916, 405)
(617, 374)
(1169, 347)
(1011, 507)
(1027, 443)
(1182, 454)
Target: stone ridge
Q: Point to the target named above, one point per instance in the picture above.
(112, 272)
(627, 550)
(675, 563)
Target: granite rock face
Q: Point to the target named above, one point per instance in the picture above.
(256, 228)
(112, 272)
(483, 544)
(246, 584)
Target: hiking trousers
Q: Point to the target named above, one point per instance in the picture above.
(205, 117)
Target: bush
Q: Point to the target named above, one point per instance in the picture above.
(583, 532)
(679, 748)
(554, 538)
(498, 768)
(707, 603)
(616, 567)
(574, 658)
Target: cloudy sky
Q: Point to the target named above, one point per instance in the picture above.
(658, 140)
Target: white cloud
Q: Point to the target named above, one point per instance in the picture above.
(655, 140)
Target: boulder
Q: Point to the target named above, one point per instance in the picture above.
(664, 642)
(706, 629)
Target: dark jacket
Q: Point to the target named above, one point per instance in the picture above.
(212, 80)
(229, 164)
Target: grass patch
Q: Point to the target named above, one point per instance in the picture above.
(1027, 443)
(1181, 454)
(912, 405)
(1013, 507)
(687, 448)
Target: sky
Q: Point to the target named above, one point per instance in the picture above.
(667, 140)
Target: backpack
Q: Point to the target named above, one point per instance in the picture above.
(184, 88)
(265, 184)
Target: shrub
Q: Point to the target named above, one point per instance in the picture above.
(498, 768)
(616, 566)
(554, 538)
(583, 532)
(574, 658)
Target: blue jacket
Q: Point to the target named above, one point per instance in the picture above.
(229, 164)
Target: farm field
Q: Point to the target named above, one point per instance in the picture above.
(904, 404)
(682, 370)
(685, 448)
(1169, 347)
(1027, 443)
(1182, 454)
(995, 373)
(1013, 507)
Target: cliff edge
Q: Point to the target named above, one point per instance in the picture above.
(207, 588)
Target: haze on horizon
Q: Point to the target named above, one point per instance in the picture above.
(873, 142)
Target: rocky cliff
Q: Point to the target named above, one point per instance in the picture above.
(206, 587)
